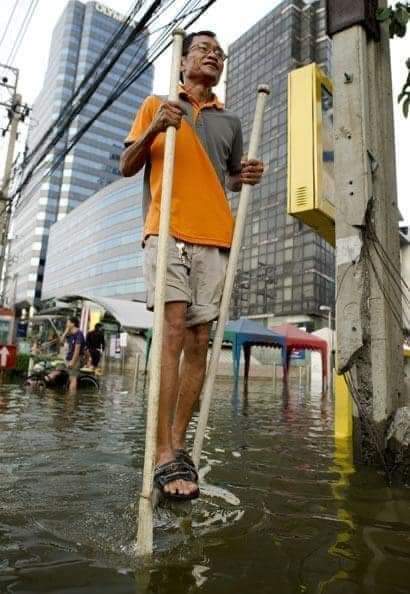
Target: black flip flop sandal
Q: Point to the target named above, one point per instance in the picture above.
(183, 456)
(174, 471)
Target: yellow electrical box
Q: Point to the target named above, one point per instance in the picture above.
(311, 186)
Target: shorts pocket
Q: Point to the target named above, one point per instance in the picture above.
(208, 276)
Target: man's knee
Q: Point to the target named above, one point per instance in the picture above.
(174, 334)
(201, 333)
(197, 345)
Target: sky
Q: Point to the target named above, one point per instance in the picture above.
(228, 18)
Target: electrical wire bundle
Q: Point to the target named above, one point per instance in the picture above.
(22, 31)
(373, 246)
(397, 281)
(94, 77)
(364, 416)
(37, 156)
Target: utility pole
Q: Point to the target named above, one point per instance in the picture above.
(16, 113)
(368, 308)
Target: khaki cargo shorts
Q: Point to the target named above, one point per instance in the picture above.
(195, 275)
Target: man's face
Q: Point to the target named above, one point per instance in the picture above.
(70, 326)
(204, 61)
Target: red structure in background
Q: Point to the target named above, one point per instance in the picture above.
(7, 356)
(297, 340)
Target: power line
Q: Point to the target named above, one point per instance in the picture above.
(367, 421)
(155, 51)
(13, 10)
(140, 28)
(22, 31)
(74, 108)
(70, 104)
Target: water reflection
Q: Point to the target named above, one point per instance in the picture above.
(283, 509)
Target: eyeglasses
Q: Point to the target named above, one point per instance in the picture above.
(207, 49)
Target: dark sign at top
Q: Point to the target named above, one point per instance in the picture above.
(343, 14)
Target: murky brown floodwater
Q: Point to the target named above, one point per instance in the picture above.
(285, 512)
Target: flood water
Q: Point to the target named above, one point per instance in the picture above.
(283, 511)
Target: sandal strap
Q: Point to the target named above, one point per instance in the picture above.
(183, 456)
(173, 471)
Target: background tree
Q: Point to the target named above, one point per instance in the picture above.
(397, 19)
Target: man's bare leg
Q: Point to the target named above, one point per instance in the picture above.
(191, 380)
(72, 387)
(173, 342)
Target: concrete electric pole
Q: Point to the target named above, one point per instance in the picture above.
(369, 308)
(16, 113)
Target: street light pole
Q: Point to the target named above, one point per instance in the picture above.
(329, 356)
(16, 113)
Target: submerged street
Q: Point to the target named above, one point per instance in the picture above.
(282, 510)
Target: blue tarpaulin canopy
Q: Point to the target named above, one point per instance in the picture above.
(246, 334)
(243, 334)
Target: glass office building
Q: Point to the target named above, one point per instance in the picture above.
(79, 37)
(96, 249)
(286, 271)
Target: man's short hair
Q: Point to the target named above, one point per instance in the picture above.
(189, 39)
(75, 321)
(98, 326)
(186, 44)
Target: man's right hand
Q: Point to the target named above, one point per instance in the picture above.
(169, 114)
(136, 155)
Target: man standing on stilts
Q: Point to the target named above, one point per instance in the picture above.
(208, 157)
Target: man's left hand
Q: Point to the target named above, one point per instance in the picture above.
(251, 172)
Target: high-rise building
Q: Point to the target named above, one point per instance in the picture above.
(79, 37)
(286, 271)
(105, 260)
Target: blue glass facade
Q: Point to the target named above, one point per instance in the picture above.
(80, 35)
(96, 248)
(286, 271)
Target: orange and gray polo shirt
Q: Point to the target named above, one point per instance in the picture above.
(208, 148)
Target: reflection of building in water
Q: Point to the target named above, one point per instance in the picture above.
(342, 547)
(286, 271)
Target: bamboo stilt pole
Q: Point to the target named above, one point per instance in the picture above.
(263, 92)
(274, 377)
(145, 516)
(136, 372)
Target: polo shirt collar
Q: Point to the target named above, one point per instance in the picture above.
(213, 102)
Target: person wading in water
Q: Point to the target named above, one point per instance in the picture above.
(208, 159)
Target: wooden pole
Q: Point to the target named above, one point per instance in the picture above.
(122, 359)
(136, 372)
(274, 377)
(145, 519)
(263, 92)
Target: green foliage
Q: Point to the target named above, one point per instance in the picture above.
(397, 18)
(22, 362)
(405, 93)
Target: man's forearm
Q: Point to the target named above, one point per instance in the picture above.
(135, 156)
(234, 183)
